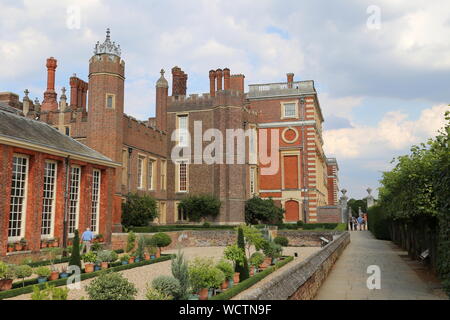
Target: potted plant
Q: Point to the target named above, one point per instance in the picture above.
(150, 248)
(125, 258)
(227, 269)
(63, 273)
(23, 271)
(256, 260)
(203, 276)
(7, 275)
(161, 240)
(18, 246)
(55, 242)
(99, 238)
(237, 256)
(140, 250)
(272, 251)
(24, 243)
(105, 257)
(132, 258)
(43, 273)
(43, 244)
(89, 260)
(10, 247)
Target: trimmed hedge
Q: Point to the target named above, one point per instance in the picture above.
(244, 285)
(378, 223)
(84, 276)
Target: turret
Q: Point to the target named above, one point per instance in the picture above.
(162, 91)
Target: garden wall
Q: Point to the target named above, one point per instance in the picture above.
(302, 280)
(222, 238)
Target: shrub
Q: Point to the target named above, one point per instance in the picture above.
(138, 210)
(131, 241)
(256, 259)
(272, 250)
(161, 240)
(140, 250)
(203, 274)
(167, 285)
(300, 224)
(243, 270)
(252, 237)
(111, 286)
(23, 271)
(200, 206)
(226, 268)
(235, 254)
(181, 272)
(153, 294)
(378, 223)
(43, 272)
(282, 241)
(7, 272)
(90, 257)
(75, 259)
(106, 256)
(265, 211)
(49, 293)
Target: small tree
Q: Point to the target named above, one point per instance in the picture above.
(181, 272)
(138, 210)
(242, 269)
(253, 237)
(131, 241)
(259, 210)
(161, 240)
(23, 271)
(200, 206)
(75, 259)
(140, 250)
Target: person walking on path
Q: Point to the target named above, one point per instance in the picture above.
(87, 238)
(360, 223)
(354, 224)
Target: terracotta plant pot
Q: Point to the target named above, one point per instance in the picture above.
(236, 277)
(104, 265)
(18, 247)
(267, 261)
(224, 285)
(146, 256)
(158, 254)
(131, 260)
(5, 284)
(43, 244)
(203, 294)
(55, 244)
(89, 267)
(54, 276)
(252, 271)
(263, 266)
(10, 249)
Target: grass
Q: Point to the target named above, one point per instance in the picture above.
(244, 285)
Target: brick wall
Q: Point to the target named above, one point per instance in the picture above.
(329, 214)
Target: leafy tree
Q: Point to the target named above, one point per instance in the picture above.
(258, 210)
(75, 258)
(252, 237)
(356, 204)
(23, 271)
(200, 206)
(138, 211)
(242, 269)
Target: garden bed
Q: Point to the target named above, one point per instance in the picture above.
(29, 284)
(244, 285)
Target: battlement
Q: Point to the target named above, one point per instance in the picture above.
(196, 101)
(141, 125)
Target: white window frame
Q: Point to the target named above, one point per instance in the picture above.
(151, 177)
(24, 200)
(163, 164)
(183, 133)
(178, 175)
(53, 200)
(77, 203)
(253, 181)
(141, 172)
(113, 98)
(283, 110)
(95, 200)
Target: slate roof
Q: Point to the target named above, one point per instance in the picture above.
(17, 127)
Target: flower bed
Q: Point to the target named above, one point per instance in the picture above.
(244, 285)
(19, 290)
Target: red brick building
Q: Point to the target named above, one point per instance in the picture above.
(290, 110)
(38, 166)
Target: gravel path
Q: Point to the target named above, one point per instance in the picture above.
(142, 276)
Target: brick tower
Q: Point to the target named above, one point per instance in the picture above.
(106, 107)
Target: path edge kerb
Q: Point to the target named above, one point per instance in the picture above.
(286, 282)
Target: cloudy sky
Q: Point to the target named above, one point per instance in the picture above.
(382, 68)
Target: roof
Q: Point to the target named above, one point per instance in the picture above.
(6, 107)
(30, 132)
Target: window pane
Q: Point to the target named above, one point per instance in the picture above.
(17, 201)
(48, 198)
(289, 110)
(96, 177)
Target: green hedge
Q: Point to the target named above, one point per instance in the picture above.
(244, 285)
(84, 276)
(378, 223)
(153, 229)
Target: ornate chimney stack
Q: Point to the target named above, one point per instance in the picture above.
(226, 79)
(212, 83)
(290, 79)
(50, 103)
(219, 75)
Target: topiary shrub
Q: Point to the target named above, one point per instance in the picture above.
(138, 211)
(282, 241)
(23, 271)
(256, 259)
(167, 285)
(131, 241)
(75, 258)
(161, 240)
(243, 269)
(111, 286)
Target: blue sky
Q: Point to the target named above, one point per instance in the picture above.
(382, 87)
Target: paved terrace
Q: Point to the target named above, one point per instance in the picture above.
(399, 279)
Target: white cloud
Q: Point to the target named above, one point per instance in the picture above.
(393, 133)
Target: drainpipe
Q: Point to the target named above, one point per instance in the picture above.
(66, 206)
(305, 187)
(130, 151)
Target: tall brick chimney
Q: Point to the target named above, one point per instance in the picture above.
(84, 90)
(290, 79)
(212, 83)
(237, 82)
(50, 103)
(226, 79)
(219, 74)
(73, 91)
(179, 82)
(162, 92)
